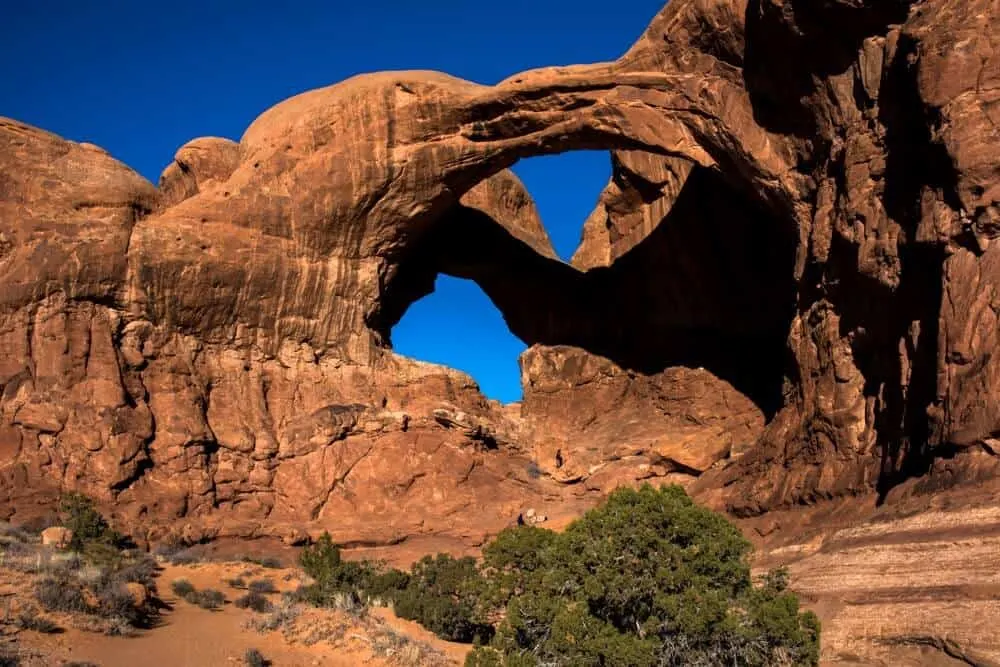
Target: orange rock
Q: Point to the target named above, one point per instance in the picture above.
(57, 536)
(138, 593)
(786, 294)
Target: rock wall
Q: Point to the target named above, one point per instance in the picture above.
(785, 294)
(905, 134)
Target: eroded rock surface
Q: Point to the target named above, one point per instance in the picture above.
(913, 583)
(681, 421)
(787, 293)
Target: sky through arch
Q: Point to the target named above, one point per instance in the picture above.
(458, 326)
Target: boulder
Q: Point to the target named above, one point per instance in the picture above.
(57, 536)
(140, 594)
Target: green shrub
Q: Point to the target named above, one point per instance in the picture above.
(262, 586)
(439, 593)
(442, 595)
(88, 525)
(182, 587)
(649, 578)
(206, 599)
(237, 582)
(31, 620)
(386, 584)
(61, 594)
(254, 658)
(332, 574)
(254, 601)
(322, 561)
(268, 562)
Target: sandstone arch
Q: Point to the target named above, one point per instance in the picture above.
(210, 359)
(299, 181)
(281, 262)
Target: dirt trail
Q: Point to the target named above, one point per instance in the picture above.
(188, 636)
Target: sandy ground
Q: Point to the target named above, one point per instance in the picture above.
(188, 636)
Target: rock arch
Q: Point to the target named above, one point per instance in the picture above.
(169, 334)
(346, 178)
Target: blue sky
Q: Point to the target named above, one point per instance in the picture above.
(142, 78)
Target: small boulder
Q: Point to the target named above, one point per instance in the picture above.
(57, 536)
(138, 593)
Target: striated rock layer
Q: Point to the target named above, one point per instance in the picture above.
(787, 293)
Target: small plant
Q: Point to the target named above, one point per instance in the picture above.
(88, 525)
(185, 557)
(10, 547)
(280, 618)
(268, 562)
(119, 626)
(169, 546)
(61, 594)
(133, 569)
(254, 601)
(237, 582)
(254, 658)
(13, 533)
(115, 602)
(42, 561)
(104, 597)
(321, 561)
(182, 587)
(262, 586)
(349, 603)
(402, 650)
(312, 595)
(207, 599)
(30, 620)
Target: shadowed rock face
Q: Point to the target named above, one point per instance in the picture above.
(786, 293)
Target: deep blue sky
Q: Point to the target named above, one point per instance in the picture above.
(141, 78)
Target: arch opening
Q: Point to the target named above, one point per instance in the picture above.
(452, 321)
(710, 285)
(565, 187)
(458, 326)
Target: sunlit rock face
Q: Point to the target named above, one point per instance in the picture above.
(786, 294)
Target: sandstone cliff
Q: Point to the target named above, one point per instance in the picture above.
(787, 293)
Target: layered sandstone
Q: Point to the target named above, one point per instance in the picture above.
(907, 584)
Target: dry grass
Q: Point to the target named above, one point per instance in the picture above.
(86, 591)
(279, 619)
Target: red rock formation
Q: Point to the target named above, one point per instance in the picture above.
(786, 293)
(309, 239)
(583, 412)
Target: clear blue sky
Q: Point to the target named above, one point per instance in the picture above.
(142, 78)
